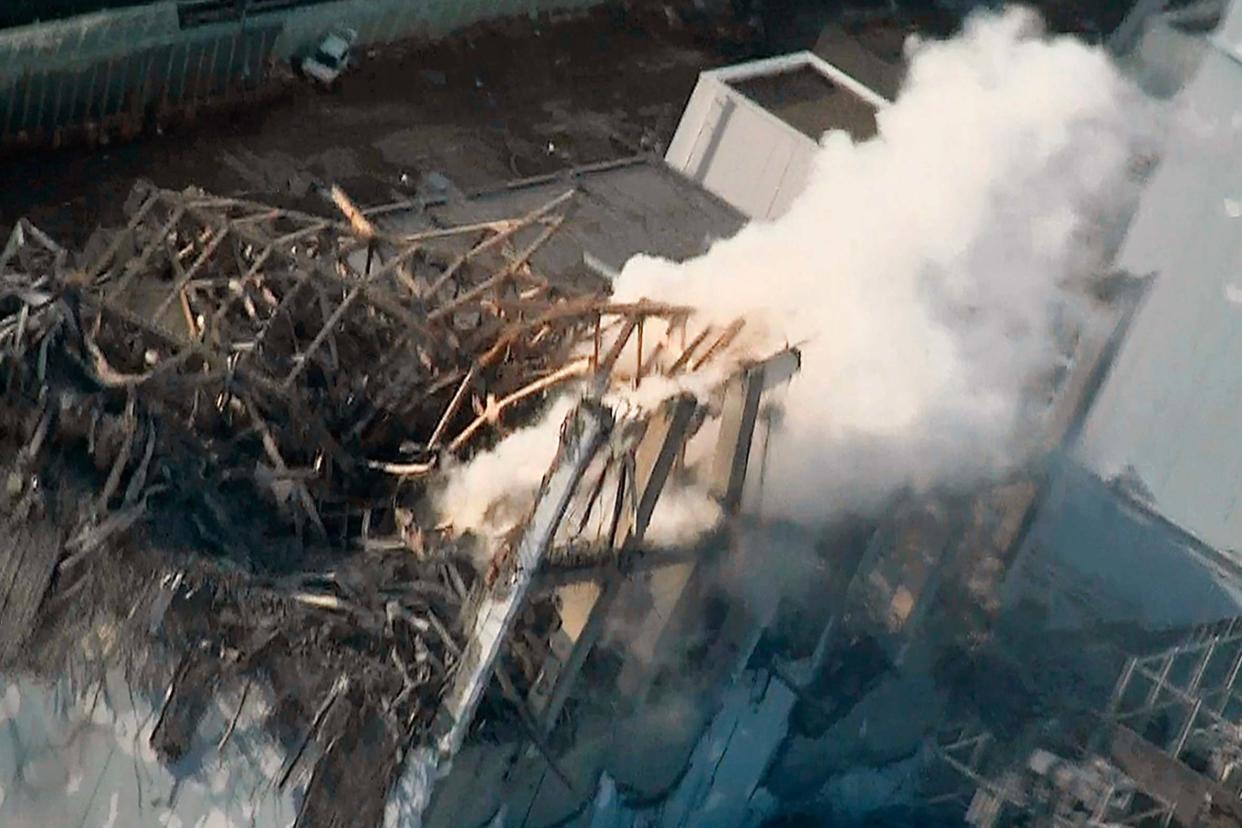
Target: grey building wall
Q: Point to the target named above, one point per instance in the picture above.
(1166, 416)
(1142, 521)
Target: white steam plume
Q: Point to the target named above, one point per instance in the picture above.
(491, 493)
(682, 515)
(924, 274)
(494, 490)
(926, 270)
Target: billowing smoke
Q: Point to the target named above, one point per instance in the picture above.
(494, 490)
(927, 271)
(683, 513)
(926, 275)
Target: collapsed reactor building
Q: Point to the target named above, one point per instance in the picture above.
(230, 597)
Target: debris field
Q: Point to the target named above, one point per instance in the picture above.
(224, 419)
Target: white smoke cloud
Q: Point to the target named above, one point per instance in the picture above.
(927, 270)
(682, 515)
(492, 492)
(925, 274)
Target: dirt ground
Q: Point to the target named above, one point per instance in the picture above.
(491, 104)
(484, 107)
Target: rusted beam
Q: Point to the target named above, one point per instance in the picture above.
(494, 241)
(495, 408)
(497, 279)
(498, 225)
(324, 332)
(243, 282)
(216, 361)
(603, 368)
(688, 351)
(313, 267)
(135, 265)
(213, 242)
(723, 341)
(101, 262)
(454, 405)
(273, 453)
(361, 225)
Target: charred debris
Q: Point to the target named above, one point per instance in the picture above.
(222, 421)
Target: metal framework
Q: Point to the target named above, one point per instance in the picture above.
(332, 366)
(343, 353)
(614, 512)
(610, 470)
(1186, 701)
(1169, 751)
(991, 786)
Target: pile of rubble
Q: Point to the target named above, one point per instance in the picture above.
(228, 415)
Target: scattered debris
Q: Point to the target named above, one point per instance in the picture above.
(257, 401)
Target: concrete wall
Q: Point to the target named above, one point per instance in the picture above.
(1165, 415)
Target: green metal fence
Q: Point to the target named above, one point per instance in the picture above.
(112, 69)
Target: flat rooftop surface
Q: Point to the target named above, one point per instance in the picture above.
(620, 210)
(811, 103)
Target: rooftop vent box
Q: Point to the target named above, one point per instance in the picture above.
(750, 131)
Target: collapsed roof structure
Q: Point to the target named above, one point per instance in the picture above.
(1117, 541)
(247, 405)
(228, 421)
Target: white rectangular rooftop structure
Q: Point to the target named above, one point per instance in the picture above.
(750, 132)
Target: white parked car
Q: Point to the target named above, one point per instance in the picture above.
(331, 57)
